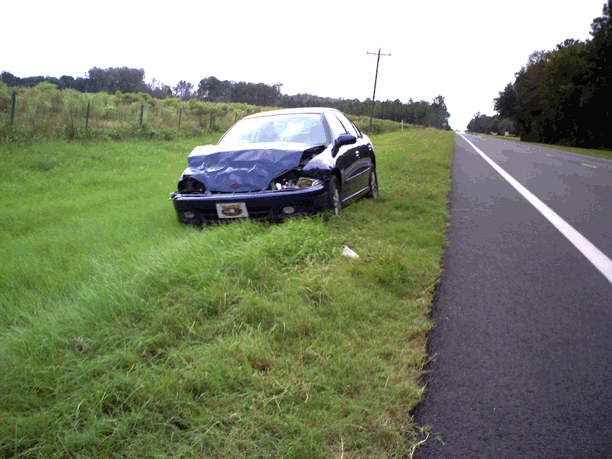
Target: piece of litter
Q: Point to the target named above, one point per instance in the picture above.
(349, 253)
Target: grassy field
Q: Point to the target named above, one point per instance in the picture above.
(46, 113)
(125, 334)
(605, 154)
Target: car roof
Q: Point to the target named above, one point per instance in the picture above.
(292, 111)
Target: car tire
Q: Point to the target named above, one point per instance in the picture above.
(335, 201)
(373, 193)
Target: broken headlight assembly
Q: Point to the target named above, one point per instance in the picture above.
(190, 185)
(292, 180)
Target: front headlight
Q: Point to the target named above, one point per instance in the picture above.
(190, 185)
(307, 182)
(290, 181)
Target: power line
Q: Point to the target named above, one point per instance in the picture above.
(375, 79)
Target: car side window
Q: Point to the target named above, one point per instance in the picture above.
(349, 127)
(336, 125)
(360, 134)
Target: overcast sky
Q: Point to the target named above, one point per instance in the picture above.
(465, 51)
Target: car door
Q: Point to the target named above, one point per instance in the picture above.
(345, 157)
(359, 171)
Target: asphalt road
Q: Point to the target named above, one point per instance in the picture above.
(523, 320)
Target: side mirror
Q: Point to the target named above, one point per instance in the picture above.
(344, 139)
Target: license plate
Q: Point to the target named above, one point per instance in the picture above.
(232, 210)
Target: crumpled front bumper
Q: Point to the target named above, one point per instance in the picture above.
(262, 205)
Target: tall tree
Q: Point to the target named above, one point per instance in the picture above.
(600, 95)
(212, 89)
(183, 89)
(506, 105)
(115, 79)
(563, 96)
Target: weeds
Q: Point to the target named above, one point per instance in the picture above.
(127, 334)
(44, 113)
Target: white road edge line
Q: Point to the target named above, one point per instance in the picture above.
(592, 253)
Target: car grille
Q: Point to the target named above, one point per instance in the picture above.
(235, 192)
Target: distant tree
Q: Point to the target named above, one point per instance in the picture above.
(440, 113)
(30, 82)
(484, 124)
(84, 85)
(563, 96)
(183, 90)
(530, 86)
(277, 89)
(9, 79)
(601, 27)
(212, 89)
(115, 79)
(66, 82)
(597, 100)
(506, 125)
(506, 105)
(159, 90)
(474, 124)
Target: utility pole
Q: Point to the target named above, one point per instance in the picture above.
(375, 79)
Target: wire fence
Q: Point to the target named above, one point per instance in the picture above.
(35, 115)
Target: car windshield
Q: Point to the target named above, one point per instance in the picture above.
(305, 128)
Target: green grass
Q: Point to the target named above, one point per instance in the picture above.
(44, 113)
(604, 154)
(125, 334)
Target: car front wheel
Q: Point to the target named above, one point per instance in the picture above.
(373, 193)
(335, 202)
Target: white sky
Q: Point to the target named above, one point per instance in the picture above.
(466, 51)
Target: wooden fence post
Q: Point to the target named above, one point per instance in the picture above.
(180, 113)
(87, 116)
(141, 113)
(12, 108)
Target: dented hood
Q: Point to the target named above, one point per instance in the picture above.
(243, 167)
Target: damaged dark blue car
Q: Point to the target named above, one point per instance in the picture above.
(278, 164)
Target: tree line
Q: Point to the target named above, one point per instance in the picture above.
(211, 89)
(421, 113)
(111, 80)
(563, 96)
(492, 124)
